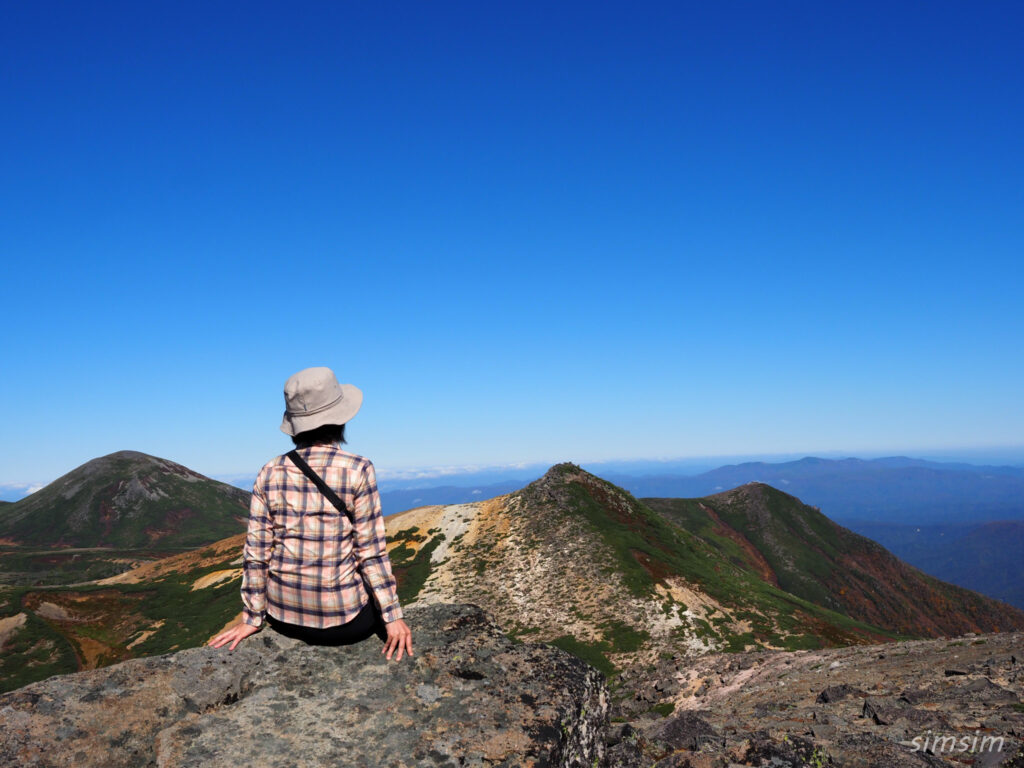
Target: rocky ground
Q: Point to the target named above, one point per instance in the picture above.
(468, 697)
(473, 697)
(918, 703)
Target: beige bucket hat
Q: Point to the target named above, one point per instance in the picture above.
(313, 397)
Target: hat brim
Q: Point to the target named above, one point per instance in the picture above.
(340, 413)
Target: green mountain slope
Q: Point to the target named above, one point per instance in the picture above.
(752, 567)
(795, 547)
(126, 500)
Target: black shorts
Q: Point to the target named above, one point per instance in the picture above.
(367, 622)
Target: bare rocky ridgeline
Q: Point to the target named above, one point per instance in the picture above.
(860, 706)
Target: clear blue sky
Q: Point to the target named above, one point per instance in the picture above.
(528, 231)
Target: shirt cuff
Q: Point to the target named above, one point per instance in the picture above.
(252, 618)
(392, 613)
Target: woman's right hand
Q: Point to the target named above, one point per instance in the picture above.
(235, 635)
(399, 639)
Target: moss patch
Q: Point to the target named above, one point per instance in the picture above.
(412, 573)
(592, 653)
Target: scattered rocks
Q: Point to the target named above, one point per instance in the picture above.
(687, 731)
(790, 752)
(626, 746)
(889, 712)
(867, 750)
(854, 706)
(836, 693)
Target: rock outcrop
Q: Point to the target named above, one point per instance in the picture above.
(917, 703)
(469, 696)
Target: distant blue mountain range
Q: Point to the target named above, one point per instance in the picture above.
(895, 489)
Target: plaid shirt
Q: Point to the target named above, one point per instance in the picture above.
(304, 562)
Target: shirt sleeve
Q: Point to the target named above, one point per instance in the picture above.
(259, 541)
(371, 546)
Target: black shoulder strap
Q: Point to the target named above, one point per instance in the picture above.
(318, 481)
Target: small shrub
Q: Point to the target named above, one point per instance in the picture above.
(664, 708)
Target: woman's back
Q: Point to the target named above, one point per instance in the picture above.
(315, 538)
(315, 559)
(319, 560)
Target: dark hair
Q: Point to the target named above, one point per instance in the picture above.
(328, 433)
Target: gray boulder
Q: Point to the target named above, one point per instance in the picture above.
(468, 697)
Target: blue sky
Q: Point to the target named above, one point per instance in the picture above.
(529, 232)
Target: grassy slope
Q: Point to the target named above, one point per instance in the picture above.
(103, 620)
(815, 559)
(34, 652)
(412, 569)
(53, 567)
(126, 500)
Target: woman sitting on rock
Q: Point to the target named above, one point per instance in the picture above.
(316, 566)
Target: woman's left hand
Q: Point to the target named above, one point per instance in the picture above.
(235, 635)
(399, 639)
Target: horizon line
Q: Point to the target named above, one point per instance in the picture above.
(413, 472)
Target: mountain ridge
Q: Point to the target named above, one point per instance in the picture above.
(569, 559)
(812, 556)
(663, 577)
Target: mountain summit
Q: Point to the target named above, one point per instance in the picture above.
(124, 500)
